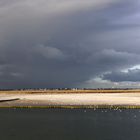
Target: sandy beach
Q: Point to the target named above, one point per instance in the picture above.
(84, 99)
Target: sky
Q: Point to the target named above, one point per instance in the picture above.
(69, 44)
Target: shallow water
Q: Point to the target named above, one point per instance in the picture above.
(69, 124)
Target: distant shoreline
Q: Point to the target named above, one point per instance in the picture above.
(94, 107)
(49, 91)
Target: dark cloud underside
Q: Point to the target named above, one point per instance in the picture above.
(50, 43)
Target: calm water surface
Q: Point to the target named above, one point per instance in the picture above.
(68, 124)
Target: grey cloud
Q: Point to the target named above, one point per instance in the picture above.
(6, 3)
(131, 76)
(50, 52)
(52, 44)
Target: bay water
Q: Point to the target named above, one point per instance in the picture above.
(69, 124)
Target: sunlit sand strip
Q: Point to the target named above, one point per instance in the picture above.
(117, 99)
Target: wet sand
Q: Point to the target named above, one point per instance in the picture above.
(84, 99)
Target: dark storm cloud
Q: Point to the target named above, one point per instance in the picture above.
(62, 44)
(131, 75)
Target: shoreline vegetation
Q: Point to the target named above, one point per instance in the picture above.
(114, 107)
(57, 91)
(71, 99)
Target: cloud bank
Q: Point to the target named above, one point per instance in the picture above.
(51, 43)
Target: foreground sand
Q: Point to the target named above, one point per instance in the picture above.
(71, 99)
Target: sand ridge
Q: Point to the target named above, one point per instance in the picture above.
(72, 99)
